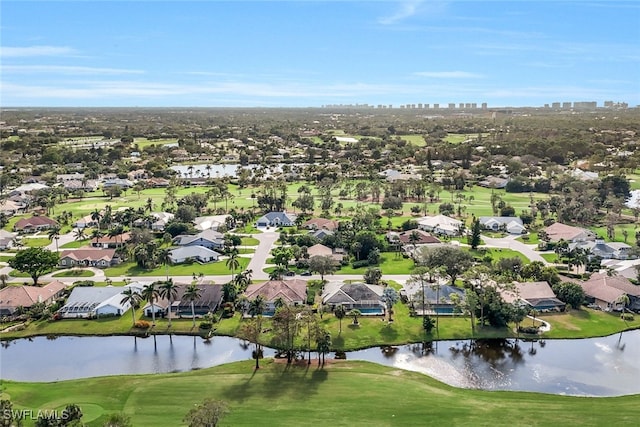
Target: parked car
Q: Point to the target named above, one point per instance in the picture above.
(290, 273)
(305, 273)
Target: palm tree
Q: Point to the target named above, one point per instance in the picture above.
(54, 234)
(96, 216)
(191, 294)
(96, 234)
(150, 293)
(257, 306)
(323, 342)
(243, 280)
(339, 313)
(165, 258)
(233, 263)
(79, 234)
(132, 297)
(355, 313)
(169, 290)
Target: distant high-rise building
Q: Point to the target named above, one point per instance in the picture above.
(484, 105)
(566, 106)
(474, 105)
(555, 105)
(452, 105)
(436, 106)
(461, 105)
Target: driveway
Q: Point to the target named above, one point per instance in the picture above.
(259, 259)
(510, 242)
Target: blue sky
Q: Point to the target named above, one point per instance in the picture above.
(304, 53)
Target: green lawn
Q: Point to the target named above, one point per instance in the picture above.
(550, 257)
(35, 242)
(211, 269)
(250, 241)
(74, 273)
(76, 244)
(348, 393)
(391, 264)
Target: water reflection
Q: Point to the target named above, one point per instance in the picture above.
(600, 366)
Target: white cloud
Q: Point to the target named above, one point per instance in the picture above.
(407, 9)
(15, 52)
(448, 74)
(67, 70)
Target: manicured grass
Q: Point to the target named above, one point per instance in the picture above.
(250, 241)
(211, 269)
(577, 323)
(390, 264)
(349, 393)
(76, 244)
(550, 257)
(497, 254)
(619, 229)
(74, 273)
(36, 242)
(416, 139)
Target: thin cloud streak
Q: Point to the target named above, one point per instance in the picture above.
(407, 10)
(67, 70)
(448, 74)
(29, 51)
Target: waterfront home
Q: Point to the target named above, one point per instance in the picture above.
(535, 295)
(432, 298)
(361, 296)
(91, 302)
(290, 292)
(210, 298)
(607, 291)
(13, 297)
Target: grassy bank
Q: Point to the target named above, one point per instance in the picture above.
(341, 393)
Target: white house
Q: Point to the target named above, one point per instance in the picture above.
(197, 253)
(511, 225)
(91, 302)
(276, 219)
(440, 224)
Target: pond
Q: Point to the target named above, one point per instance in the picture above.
(605, 366)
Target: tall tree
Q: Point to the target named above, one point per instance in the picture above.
(207, 414)
(285, 329)
(54, 234)
(131, 296)
(191, 294)
(340, 313)
(323, 344)
(169, 291)
(322, 264)
(390, 297)
(35, 262)
(233, 263)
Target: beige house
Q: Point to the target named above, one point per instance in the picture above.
(12, 297)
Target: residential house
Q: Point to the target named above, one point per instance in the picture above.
(34, 224)
(624, 268)
(440, 224)
(607, 291)
(208, 302)
(137, 174)
(512, 225)
(558, 231)
(117, 182)
(6, 239)
(210, 222)
(605, 250)
(12, 297)
(322, 250)
(9, 207)
(322, 233)
(111, 242)
(86, 185)
(70, 177)
(157, 182)
(412, 237)
(276, 219)
(321, 224)
(85, 222)
(208, 238)
(291, 292)
(91, 301)
(196, 253)
(536, 295)
(361, 296)
(432, 298)
(101, 258)
(494, 182)
(27, 188)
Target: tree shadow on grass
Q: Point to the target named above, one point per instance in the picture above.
(297, 380)
(388, 333)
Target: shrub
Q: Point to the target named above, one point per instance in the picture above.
(626, 316)
(361, 263)
(532, 330)
(205, 326)
(142, 324)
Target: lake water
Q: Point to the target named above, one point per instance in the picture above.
(590, 367)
